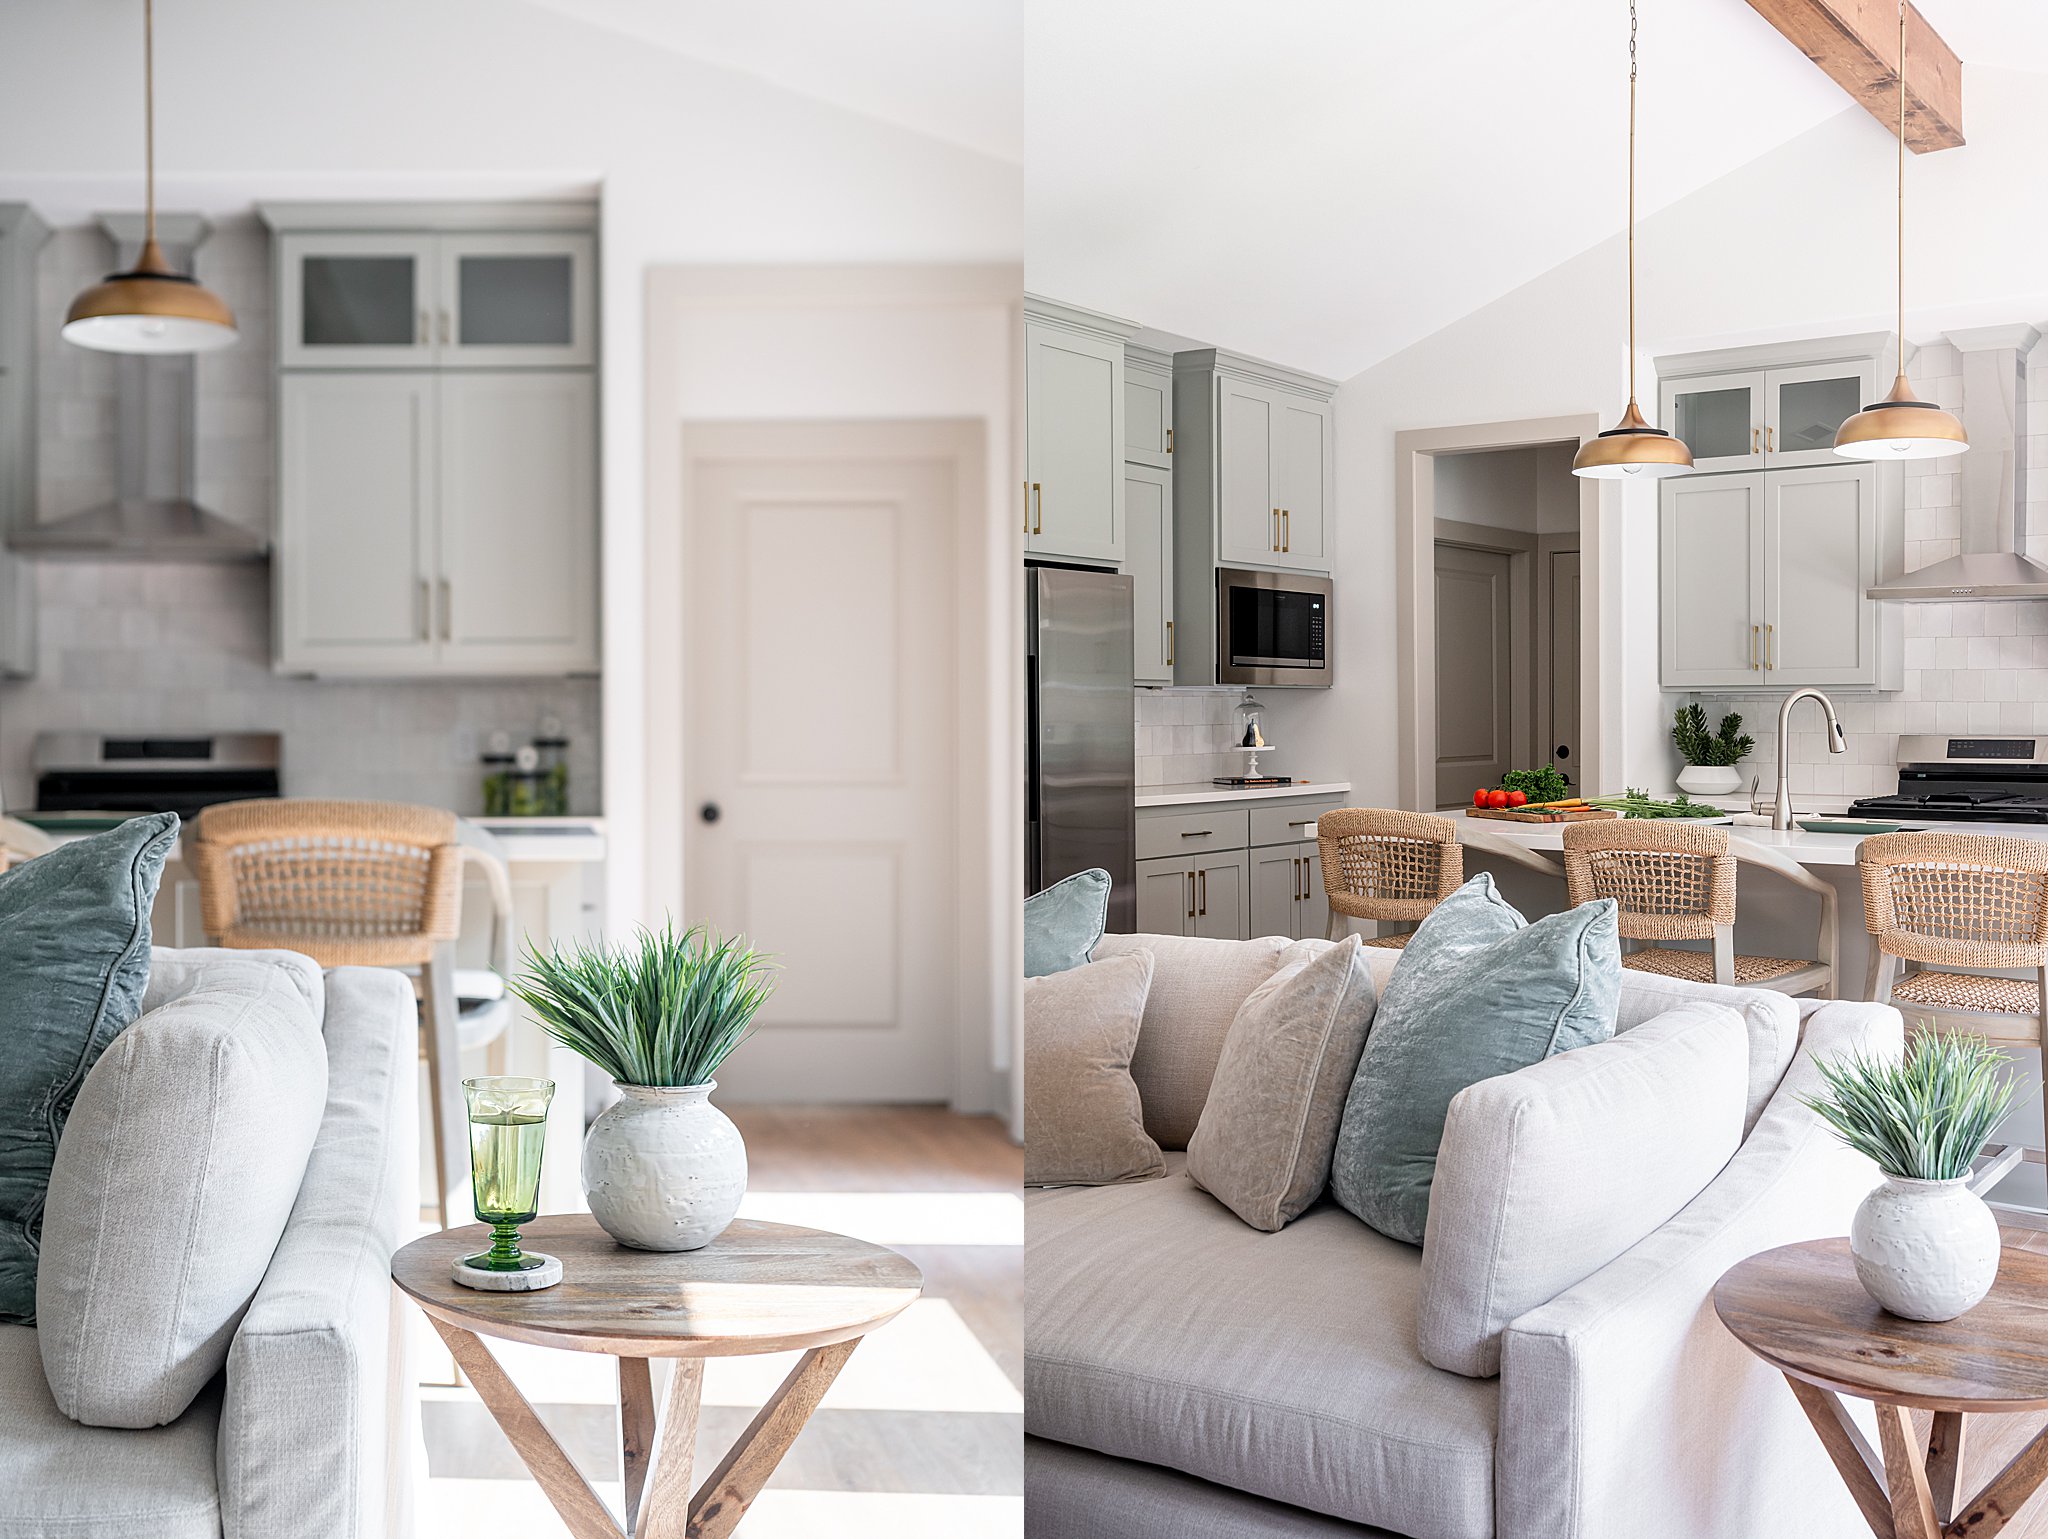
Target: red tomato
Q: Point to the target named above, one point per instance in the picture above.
(1479, 797)
(1496, 798)
(1516, 798)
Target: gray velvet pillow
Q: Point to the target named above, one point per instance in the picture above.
(1063, 923)
(74, 961)
(1476, 993)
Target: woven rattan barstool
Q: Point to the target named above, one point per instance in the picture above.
(1392, 867)
(1942, 901)
(1674, 882)
(352, 884)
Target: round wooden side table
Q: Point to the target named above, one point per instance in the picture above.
(1801, 1309)
(756, 1288)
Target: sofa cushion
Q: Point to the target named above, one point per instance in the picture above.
(1262, 1148)
(1159, 1328)
(1082, 1120)
(1771, 1020)
(1063, 923)
(1197, 986)
(176, 1174)
(74, 958)
(1074, 1493)
(1476, 993)
(1549, 1173)
(59, 1480)
(181, 969)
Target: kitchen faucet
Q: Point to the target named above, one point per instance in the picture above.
(1781, 814)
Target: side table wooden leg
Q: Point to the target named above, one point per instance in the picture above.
(636, 1431)
(731, 1488)
(1905, 1476)
(559, 1479)
(665, 1514)
(1998, 1503)
(1850, 1451)
(1945, 1461)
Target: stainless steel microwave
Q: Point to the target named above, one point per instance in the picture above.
(1272, 629)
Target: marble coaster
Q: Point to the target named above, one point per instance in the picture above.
(546, 1275)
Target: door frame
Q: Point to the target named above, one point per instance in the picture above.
(1415, 524)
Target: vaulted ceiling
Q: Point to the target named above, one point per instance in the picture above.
(1325, 182)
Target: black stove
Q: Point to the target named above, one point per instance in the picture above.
(1966, 780)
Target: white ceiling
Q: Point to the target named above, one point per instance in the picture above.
(947, 68)
(1325, 182)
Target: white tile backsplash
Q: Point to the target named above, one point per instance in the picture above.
(1185, 735)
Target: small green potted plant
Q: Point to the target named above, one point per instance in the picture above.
(663, 1168)
(1710, 757)
(1925, 1245)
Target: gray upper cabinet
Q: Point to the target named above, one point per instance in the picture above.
(1255, 471)
(437, 477)
(1148, 408)
(1073, 434)
(1777, 410)
(1711, 530)
(1148, 557)
(21, 236)
(400, 298)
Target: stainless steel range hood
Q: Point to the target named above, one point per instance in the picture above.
(155, 515)
(1993, 563)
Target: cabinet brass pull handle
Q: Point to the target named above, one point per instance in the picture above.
(1027, 507)
(1770, 439)
(1297, 879)
(445, 334)
(447, 610)
(426, 328)
(1287, 529)
(1768, 631)
(1038, 496)
(1202, 884)
(1752, 646)
(423, 611)
(1755, 435)
(1191, 894)
(1169, 643)
(1276, 529)
(1169, 440)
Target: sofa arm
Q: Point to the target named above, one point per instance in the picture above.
(316, 1426)
(1628, 1409)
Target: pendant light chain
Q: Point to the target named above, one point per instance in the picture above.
(1631, 200)
(149, 119)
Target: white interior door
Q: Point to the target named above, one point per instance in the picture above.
(819, 712)
(1474, 672)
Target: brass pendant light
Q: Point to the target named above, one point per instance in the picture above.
(151, 308)
(1632, 447)
(1901, 426)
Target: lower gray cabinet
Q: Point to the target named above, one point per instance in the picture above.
(1287, 892)
(1206, 896)
(1166, 897)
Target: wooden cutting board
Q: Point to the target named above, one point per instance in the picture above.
(1524, 815)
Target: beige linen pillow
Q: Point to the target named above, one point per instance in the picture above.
(1263, 1145)
(1083, 1125)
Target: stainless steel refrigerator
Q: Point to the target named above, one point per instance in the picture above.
(1081, 770)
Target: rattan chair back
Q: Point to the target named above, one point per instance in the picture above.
(1668, 881)
(1388, 865)
(373, 884)
(1956, 900)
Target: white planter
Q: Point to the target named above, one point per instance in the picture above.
(1709, 780)
(663, 1168)
(1927, 1250)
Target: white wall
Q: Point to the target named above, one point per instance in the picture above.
(1798, 243)
(437, 98)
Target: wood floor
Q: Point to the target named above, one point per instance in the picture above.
(923, 1432)
(1989, 1441)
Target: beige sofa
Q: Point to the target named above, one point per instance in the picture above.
(1188, 1376)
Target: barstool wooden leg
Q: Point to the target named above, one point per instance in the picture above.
(442, 1028)
(1877, 988)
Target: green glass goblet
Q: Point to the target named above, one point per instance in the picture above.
(508, 1125)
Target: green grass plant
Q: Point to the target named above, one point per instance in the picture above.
(663, 1009)
(1926, 1116)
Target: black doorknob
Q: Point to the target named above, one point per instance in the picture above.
(1564, 750)
(708, 812)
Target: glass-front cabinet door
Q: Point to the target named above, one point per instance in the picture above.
(1719, 416)
(350, 301)
(516, 301)
(1804, 406)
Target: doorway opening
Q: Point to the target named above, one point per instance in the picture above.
(1506, 584)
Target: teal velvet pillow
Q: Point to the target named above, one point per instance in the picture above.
(1063, 923)
(1476, 993)
(74, 960)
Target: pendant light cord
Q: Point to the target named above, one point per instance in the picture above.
(1632, 201)
(149, 119)
(1902, 187)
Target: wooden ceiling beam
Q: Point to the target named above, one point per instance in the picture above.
(1856, 45)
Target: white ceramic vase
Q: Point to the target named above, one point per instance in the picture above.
(1709, 780)
(1927, 1250)
(663, 1168)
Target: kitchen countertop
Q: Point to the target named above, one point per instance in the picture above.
(1188, 795)
(524, 841)
(1796, 843)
